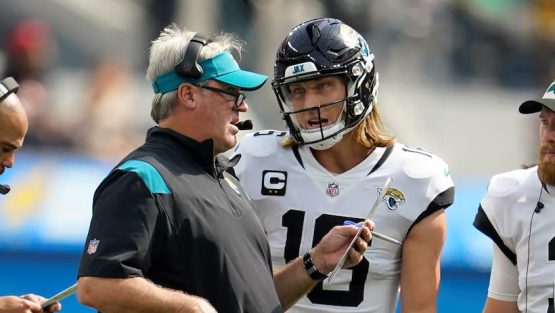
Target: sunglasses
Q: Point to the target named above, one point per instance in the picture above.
(239, 96)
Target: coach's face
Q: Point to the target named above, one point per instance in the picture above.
(547, 146)
(13, 127)
(219, 112)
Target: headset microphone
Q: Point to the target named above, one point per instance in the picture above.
(244, 125)
(539, 207)
(4, 189)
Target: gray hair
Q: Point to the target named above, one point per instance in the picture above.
(169, 48)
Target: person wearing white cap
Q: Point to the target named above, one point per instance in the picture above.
(518, 214)
(171, 231)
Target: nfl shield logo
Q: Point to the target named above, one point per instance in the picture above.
(333, 189)
(93, 244)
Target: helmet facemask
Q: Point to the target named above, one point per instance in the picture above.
(322, 137)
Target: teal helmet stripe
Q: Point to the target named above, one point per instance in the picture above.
(150, 176)
(222, 67)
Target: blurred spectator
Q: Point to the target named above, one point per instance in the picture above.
(237, 16)
(111, 98)
(158, 15)
(353, 12)
(30, 51)
(495, 41)
(543, 15)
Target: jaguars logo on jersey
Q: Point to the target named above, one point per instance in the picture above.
(393, 198)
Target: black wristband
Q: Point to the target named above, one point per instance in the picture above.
(311, 269)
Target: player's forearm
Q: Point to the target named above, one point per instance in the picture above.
(136, 295)
(420, 270)
(499, 306)
(292, 282)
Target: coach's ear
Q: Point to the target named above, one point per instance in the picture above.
(186, 94)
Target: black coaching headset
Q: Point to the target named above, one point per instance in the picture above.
(188, 66)
(7, 86)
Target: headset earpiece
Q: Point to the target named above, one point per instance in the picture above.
(7, 86)
(188, 66)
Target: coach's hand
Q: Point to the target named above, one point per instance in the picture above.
(328, 252)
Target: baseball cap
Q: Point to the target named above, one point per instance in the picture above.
(222, 67)
(533, 106)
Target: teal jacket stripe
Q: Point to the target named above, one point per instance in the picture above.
(150, 176)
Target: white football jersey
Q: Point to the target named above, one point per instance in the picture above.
(299, 201)
(524, 230)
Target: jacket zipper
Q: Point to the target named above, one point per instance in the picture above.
(234, 210)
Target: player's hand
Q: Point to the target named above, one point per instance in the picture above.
(329, 251)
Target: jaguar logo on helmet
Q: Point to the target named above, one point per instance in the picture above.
(349, 35)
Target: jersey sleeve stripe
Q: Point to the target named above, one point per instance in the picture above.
(381, 161)
(297, 155)
(442, 201)
(483, 224)
(148, 173)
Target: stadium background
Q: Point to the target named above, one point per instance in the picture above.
(452, 74)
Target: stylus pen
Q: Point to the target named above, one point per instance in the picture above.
(370, 214)
(376, 234)
(60, 296)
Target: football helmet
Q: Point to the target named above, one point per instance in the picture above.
(318, 48)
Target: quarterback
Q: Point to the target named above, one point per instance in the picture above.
(517, 214)
(329, 168)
